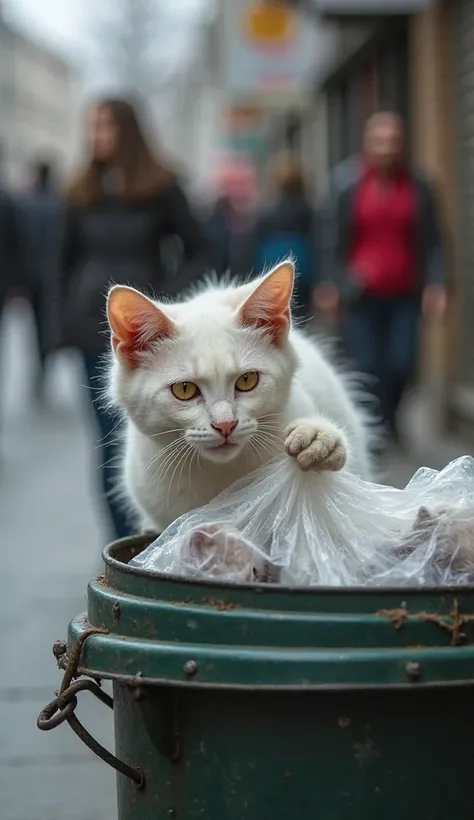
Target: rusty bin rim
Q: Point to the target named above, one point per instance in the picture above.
(109, 657)
(242, 634)
(144, 540)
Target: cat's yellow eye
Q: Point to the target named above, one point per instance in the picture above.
(247, 382)
(184, 391)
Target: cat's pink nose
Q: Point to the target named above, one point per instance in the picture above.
(225, 428)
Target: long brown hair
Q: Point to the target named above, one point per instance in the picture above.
(142, 175)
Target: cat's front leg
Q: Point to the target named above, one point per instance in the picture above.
(317, 444)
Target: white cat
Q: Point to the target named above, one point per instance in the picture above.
(215, 386)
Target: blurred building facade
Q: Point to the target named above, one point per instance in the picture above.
(38, 104)
(197, 104)
(417, 59)
(462, 20)
(264, 65)
(412, 56)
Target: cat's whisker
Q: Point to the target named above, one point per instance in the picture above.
(112, 442)
(194, 455)
(246, 451)
(164, 453)
(270, 425)
(277, 433)
(171, 446)
(167, 432)
(253, 447)
(270, 438)
(267, 446)
(164, 467)
(172, 459)
(113, 463)
(272, 420)
(181, 461)
(112, 431)
(106, 440)
(258, 449)
(271, 434)
(158, 457)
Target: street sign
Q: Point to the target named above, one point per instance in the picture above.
(267, 52)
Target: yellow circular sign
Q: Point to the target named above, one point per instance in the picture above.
(270, 23)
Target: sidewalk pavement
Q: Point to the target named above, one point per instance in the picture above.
(51, 537)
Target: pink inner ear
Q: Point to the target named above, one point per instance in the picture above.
(268, 306)
(276, 326)
(135, 323)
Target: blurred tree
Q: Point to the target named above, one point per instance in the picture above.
(131, 45)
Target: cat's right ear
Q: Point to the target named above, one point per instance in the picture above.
(136, 323)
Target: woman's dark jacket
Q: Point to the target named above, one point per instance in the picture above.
(119, 242)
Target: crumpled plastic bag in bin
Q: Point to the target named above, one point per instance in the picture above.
(327, 529)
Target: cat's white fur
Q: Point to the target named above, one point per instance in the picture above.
(173, 459)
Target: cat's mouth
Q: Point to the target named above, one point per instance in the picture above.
(224, 451)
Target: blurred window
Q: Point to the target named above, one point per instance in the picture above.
(378, 79)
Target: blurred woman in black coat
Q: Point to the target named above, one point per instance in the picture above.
(120, 209)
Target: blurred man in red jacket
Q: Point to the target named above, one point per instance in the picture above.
(383, 258)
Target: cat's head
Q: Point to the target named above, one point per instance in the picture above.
(215, 369)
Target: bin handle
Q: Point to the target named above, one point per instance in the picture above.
(62, 709)
(63, 706)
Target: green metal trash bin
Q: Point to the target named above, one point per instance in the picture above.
(268, 702)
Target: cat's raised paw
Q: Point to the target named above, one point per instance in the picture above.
(316, 446)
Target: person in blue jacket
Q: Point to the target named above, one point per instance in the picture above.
(287, 226)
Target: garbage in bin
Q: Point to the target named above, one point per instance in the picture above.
(330, 529)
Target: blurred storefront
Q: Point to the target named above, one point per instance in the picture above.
(375, 78)
(462, 393)
(245, 134)
(407, 64)
(433, 55)
(316, 74)
(268, 57)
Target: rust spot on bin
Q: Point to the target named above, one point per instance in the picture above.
(219, 604)
(452, 622)
(396, 616)
(453, 625)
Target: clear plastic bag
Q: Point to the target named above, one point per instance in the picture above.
(329, 529)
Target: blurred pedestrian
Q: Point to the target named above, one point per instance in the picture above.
(232, 217)
(39, 223)
(9, 247)
(287, 226)
(219, 228)
(384, 261)
(120, 209)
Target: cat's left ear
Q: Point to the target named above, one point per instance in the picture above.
(268, 305)
(136, 323)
